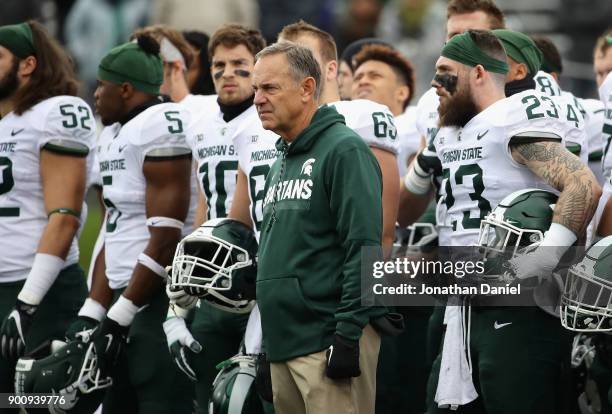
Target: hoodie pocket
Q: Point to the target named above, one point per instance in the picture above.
(291, 326)
(283, 295)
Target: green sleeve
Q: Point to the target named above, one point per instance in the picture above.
(355, 188)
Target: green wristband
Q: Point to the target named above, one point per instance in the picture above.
(65, 210)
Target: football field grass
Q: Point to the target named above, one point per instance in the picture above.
(90, 231)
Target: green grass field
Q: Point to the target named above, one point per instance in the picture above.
(90, 231)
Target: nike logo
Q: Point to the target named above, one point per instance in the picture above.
(110, 341)
(482, 134)
(331, 351)
(13, 132)
(121, 148)
(497, 325)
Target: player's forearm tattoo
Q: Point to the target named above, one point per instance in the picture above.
(564, 171)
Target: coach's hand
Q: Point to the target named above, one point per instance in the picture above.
(182, 345)
(14, 329)
(343, 359)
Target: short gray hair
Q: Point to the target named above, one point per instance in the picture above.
(302, 63)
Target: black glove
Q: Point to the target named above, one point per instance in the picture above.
(343, 359)
(82, 323)
(109, 339)
(263, 377)
(14, 329)
(429, 162)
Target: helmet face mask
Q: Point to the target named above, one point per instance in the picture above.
(422, 235)
(217, 262)
(70, 371)
(586, 303)
(515, 227)
(500, 236)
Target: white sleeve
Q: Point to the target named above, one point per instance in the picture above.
(69, 127)
(164, 132)
(533, 115)
(376, 125)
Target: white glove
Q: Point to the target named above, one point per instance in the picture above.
(181, 344)
(539, 263)
(543, 260)
(181, 298)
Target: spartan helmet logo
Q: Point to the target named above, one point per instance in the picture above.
(307, 166)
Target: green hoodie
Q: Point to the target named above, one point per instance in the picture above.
(323, 204)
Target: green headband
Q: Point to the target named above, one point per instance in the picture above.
(18, 39)
(462, 49)
(520, 48)
(131, 64)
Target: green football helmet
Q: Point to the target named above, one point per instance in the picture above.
(518, 222)
(217, 262)
(233, 390)
(586, 302)
(70, 372)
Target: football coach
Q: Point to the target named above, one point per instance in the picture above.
(322, 205)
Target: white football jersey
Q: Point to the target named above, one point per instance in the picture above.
(479, 170)
(408, 136)
(157, 131)
(197, 105)
(212, 143)
(371, 121)
(256, 154)
(63, 122)
(605, 94)
(569, 109)
(546, 84)
(593, 113)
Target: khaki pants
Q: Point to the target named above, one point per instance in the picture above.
(300, 385)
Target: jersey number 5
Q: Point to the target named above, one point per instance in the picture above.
(6, 184)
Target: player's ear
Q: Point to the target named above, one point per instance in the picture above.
(27, 66)
(522, 71)
(126, 90)
(331, 70)
(479, 73)
(402, 93)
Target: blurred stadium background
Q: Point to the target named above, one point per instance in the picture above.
(89, 28)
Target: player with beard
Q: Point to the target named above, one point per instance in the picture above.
(214, 143)
(510, 144)
(461, 16)
(46, 141)
(145, 164)
(372, 121)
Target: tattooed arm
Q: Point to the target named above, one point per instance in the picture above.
(579, 189)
